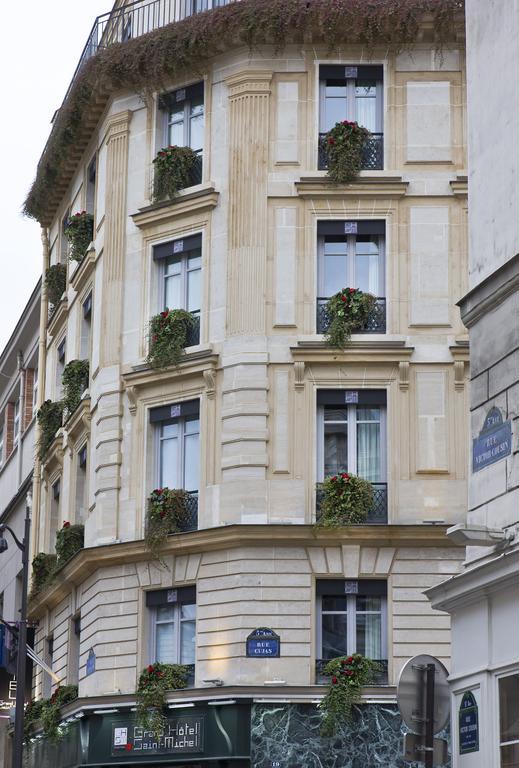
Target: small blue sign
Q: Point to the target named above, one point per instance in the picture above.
(468, 723)
(91, 662)
(493, 443)
(263, 642)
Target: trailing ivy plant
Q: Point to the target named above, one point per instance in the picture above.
(147, 63)
(174, 168)
(167, 512)
(43, 570)
(80, 232)
(344, 145)
(348, 311)
(346, 500)
(50, 419)
(75, 382)
(154, 683)
(48, 712)
(168, 334)
(55, 282)
(347, 676)
(69, 540)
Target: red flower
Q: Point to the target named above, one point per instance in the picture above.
(66, 524)
(348, 672)
(343, 297)
(331, 140)
(334, 679)
(349, 659)
(128, 747)
(352, 290)
(334, 478)
(150, 668)
(165, 313)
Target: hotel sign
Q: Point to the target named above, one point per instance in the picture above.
(181, 735)
(493, 443)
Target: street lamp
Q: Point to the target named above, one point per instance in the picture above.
(23, 546)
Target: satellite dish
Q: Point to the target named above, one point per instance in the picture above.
(411, 693)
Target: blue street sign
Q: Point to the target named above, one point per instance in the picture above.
(263, 643)
(468, 724)
(493, 443)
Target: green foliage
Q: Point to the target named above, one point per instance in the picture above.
(348, 674)
(344, 145)
(174, 168)
(80, 233)
(75, 381)
(145, 64)
(48, 712)
(346, 500)
(50, 418)
(348, 311)
(166, 513)
(154, 683)
(69, 540)
(168, 332)
(43, 570)
(55, 282)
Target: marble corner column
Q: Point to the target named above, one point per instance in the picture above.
(107, 428)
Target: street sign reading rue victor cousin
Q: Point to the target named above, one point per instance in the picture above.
(468, 724)
(493, 443)
(263, 642)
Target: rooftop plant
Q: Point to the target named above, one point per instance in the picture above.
(149, 62)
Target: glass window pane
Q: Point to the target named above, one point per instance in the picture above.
(335, 448)
(191, 456)
(335, 274)
(165, 643)
(334, 603)
(193, 290)
(173, 298)
(192, 425)
(169, 464)
(368, 414)
(196, 122)
(367, 272)
(334, 635)
(366, 105)
(169, 430)
(335, 414)
(187, 642)
(188, 611)
(172, 266)
(368, 451)
(165, 612)
(335, 107)
(509, 708)
(510, 756)
(176, 134)
(369, 603)
(369, 635)
(194, 260)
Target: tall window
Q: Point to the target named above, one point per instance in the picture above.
(35, 392)
(16, 420)
(49, 656)
(177, 429)
(54, 510)
(91, 186)
(81, 485)
(180, 263)
(509, 720)
(60, 366)
(352, 433)
(352, 618)
(86, 328)
(351, 93)
(73, 651)
(350, 255)
(184, 110)
(173, 632)
(63, 249)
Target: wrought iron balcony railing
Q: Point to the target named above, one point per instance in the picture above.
(190, 668)
(377, 515)
(193, 335)
(189, 519)
(376, 322)
(322, 679)
(372, 155)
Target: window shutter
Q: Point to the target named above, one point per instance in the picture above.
(348, 226)
(353, 396)
(372, 587)
(348, 71)
(174, 411)
(177, 247)
(171, 596)
(175, 98)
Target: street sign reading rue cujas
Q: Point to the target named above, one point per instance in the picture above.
(263, 642)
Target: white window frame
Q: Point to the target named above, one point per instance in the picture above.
(186, 121)
(351, 101)
(350, 278)
(177, 635)
(184, 271)
(81, 466)
(181, 468)
(351, 623)
(352, 439)
(85, 340)
(510, 673)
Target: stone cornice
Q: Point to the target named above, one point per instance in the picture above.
(194, 199)
(249, 82)
(356, 351)
(87, 561)
(117, 125)
(490, 292)
(141, 376)
(460, 185)
(57, 320)
(83, 271)
(376, 184)
(78, 422)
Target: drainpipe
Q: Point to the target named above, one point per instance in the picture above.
(42, 369)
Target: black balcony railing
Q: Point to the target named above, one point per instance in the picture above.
(193, 335)
(372, 154)
(376, 322)
(188, 521)
(322, 679)
(190, 668)
(377, 515)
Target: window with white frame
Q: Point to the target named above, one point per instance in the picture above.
(91, 185)
(184, 111)
(48, 658)
(60, 366)
(352, 618)
(86, 328)
(54, 511)
(173, 626)
(180, 271)
(63, 249)
(81, 484)
(16, 420)
(352, 433)
(176, 433)
(351, 93)
(509, 720)
(73, 650)
(351, 254)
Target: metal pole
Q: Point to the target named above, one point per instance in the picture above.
(429, 715)
(22, 645)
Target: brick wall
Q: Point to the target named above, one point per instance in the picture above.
(8, 429)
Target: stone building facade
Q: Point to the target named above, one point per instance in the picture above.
(260, 408)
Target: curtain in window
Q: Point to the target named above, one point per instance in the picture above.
(365, 104)
(188, 634)
(165, 635)
(369, 627)
(368, 444)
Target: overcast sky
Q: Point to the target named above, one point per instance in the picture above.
(41, 44)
